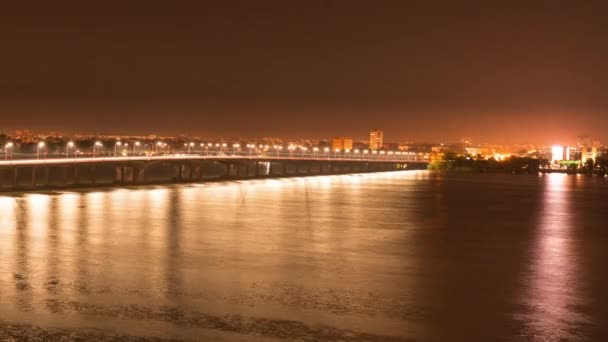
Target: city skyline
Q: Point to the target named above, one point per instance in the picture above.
(530, 73)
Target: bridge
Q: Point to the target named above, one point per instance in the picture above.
(58, 173)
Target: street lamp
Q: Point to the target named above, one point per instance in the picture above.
(356, 151)
(95, 146)
(38, 148)
(158, 144)
(336, 152)
(315, 151)
(136, 144)
(67, 149)
(235, 148)
(118, 143)
(326, 150)
(304, 149)
(7, 147)
(291, 148)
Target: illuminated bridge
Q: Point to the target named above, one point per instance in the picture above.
(57, 173)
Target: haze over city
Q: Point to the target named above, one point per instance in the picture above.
(531, 73)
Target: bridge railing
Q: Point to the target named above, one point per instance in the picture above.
(215, 155)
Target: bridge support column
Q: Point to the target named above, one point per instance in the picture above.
(93, 174)
(256, 169)
(119, 175)
(15, 177)
(46, 180)
(185, 172)
(232, 170)
(196, 172)
(76, 175)
(128, 174)
(34, 177)
(139, 175)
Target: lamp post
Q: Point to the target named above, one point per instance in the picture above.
(118, 143)
(304, 149)
(365, 152)
(290, 148)
(326, 150)
(356, 152)
(235, 148)
(95, 146)
(135, 145)
(336, 151)
(7, 147)
(315, 151)
(68, 146)
(38, 148)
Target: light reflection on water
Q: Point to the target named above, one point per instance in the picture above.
(354, 257)
(554, 297)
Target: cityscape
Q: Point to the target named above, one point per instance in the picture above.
(584, 154)
(320, 170)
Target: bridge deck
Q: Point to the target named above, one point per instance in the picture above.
(83, 160)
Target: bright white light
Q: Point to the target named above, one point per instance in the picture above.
(557, 153)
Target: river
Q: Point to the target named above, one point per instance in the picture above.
(396, 256)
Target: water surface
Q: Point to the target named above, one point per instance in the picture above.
(391, 256)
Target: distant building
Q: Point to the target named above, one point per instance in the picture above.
(478, 150)
(589, 148)
(342, 143)
(376, 139)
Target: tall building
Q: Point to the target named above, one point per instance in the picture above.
(589, 148)
(376, 139)
(342, 143)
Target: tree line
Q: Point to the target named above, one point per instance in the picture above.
(513, 164)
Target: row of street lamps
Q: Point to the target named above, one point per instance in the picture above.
(347, 153)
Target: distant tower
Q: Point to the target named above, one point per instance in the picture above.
(376, 139)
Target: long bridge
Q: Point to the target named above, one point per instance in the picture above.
(58, 173)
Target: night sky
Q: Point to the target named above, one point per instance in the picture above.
(424, 71)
